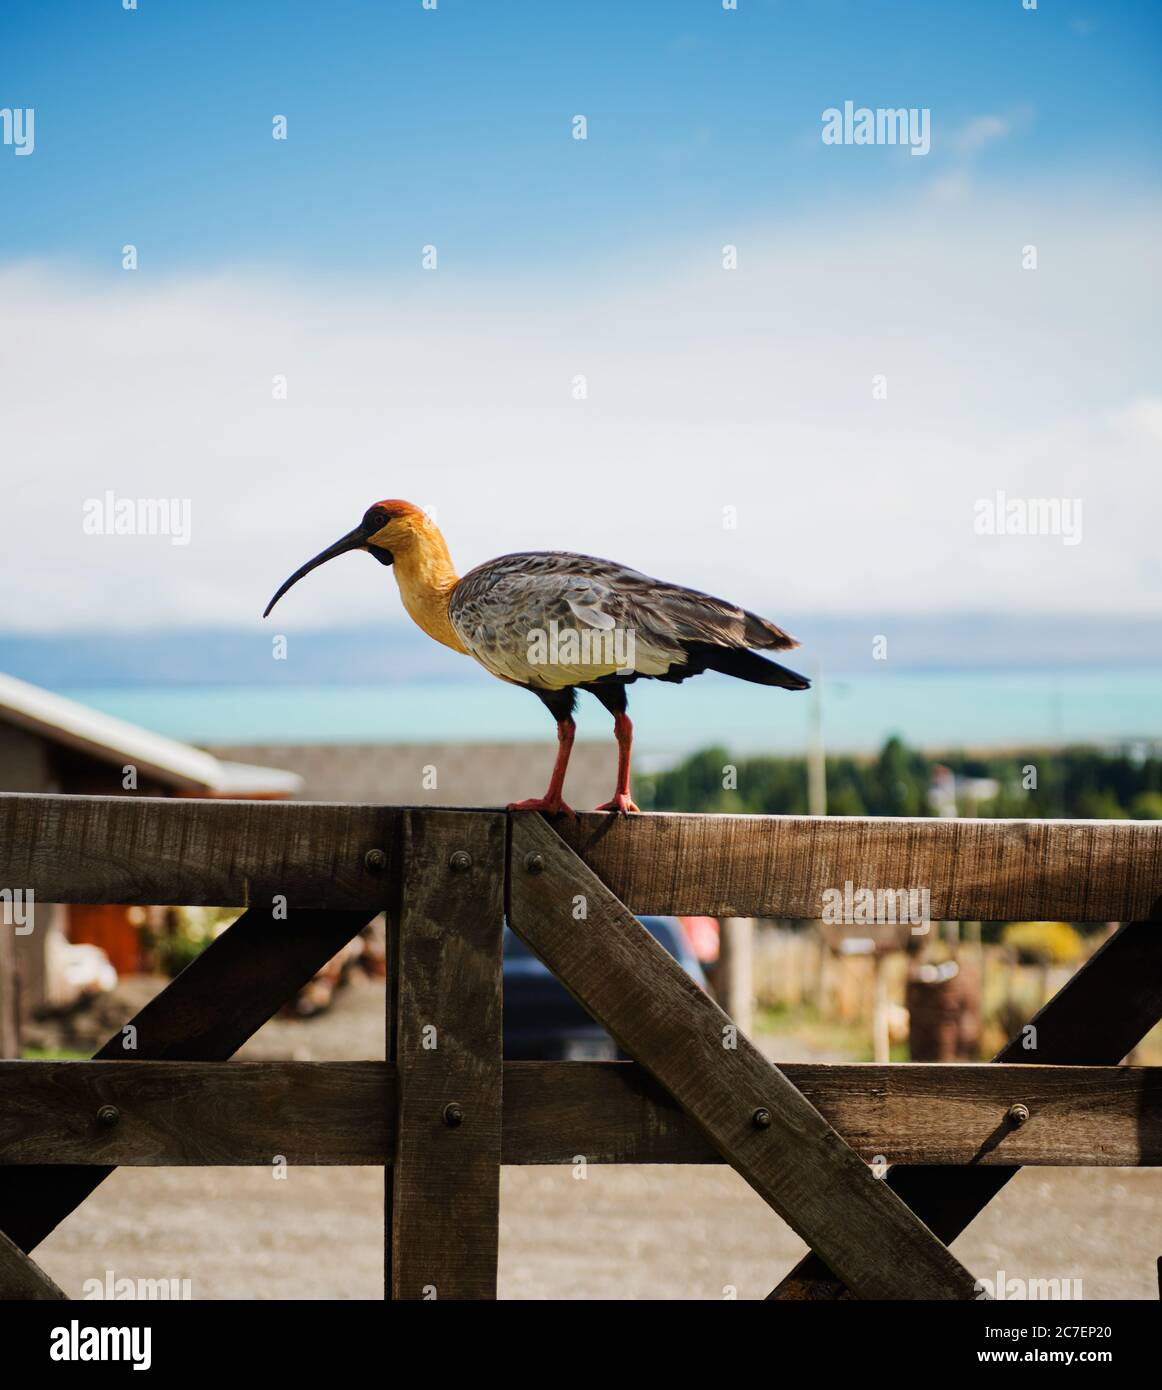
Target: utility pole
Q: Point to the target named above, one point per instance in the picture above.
(9, 993)
(816, 760)
(881, 1043)
(735, 976)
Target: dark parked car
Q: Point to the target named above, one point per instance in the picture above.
(542, 1020)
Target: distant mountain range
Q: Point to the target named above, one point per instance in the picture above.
(400, 653)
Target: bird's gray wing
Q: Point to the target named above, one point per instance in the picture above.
(514, 612)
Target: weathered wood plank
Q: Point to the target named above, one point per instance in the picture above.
(1105, 1010)
(756, 1118)
(195, 1114)
(391, 1043)
(780, 866)
(614, 1112)
(208, 1012)
(159, 850)
(21, 1278)
(917, 1114)
(445, 1203)
(178, 1114)
(123, 849)
(610, 1112)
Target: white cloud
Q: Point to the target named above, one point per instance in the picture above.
(952, 187)
(707, 389)
(978, 132)
(1140, 423)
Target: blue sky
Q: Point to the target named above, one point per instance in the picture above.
(408, 126)
(751, 393)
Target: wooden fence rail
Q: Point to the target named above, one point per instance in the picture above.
(445, 1111)
(198, 1114)
(232, 854)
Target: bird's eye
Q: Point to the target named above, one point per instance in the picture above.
(376, 520)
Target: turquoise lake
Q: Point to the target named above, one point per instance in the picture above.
(948, 709)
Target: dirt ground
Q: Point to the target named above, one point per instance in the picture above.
(622, 1232)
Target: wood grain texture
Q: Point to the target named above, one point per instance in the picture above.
(779, 866)
(797, 1163)
(207, 1013)
(126, 849)
(223, 853)
(21, 1278)
(190, 1114)
(445, 1192)
(615, 1112)
(1101, 1013)
(196, 1114)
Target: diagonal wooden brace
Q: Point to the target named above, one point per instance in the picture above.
(22, 1278)
(1096, 1018)
(760, 1123)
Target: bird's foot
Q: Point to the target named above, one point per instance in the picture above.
(622, 804)
(549, 805)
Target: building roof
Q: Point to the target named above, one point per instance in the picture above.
(179, 765)
(436, 774)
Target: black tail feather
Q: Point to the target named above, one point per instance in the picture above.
(744, 665)
(749, 666)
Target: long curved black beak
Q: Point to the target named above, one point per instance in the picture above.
(353, 540)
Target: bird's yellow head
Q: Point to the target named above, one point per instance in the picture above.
(394, 527)
(394, 532)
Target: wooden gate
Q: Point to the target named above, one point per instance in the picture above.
(445, 1110)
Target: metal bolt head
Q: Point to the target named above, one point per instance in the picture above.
(535, 863)
(1018, 1114)
(453, 1115)
(460, 862)
(375, 859)
(107, 1116)
(761, 1119)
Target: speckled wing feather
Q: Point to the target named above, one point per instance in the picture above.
(499, 608)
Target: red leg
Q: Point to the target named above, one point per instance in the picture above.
(551, 803)
(622, 801)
